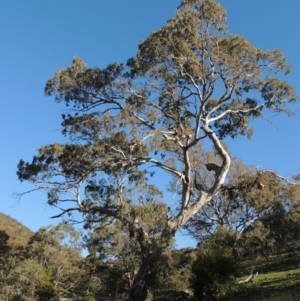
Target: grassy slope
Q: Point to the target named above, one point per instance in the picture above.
(278, 280)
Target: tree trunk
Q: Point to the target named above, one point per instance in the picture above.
(152, 254)
(139, 288)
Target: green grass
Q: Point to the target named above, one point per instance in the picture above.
(275, 280)
(278, 281)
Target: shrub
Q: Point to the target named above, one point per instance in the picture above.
(214, 270)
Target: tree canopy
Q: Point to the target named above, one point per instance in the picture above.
(190, 82)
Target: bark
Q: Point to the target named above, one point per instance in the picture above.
(248, 279)
(151, 258)
(139, 288)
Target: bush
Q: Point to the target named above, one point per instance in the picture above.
(214, 270)
(45, 289)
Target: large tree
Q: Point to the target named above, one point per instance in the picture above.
(190, 82)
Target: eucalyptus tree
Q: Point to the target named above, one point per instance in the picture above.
(190, 82)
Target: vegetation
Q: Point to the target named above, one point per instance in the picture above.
(18, 234)
(50, 266)
(43, 266)
(190, 84)
(214, 271)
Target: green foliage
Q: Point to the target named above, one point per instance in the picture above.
(17, 273)
(177, 273)
(259, 238)
(117, 253)
(57, 249)
(255, 206)
(45, 290)
(215, 268)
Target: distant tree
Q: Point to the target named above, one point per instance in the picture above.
(57, 250)
(17, 274)
(249, 196)
(190, 82)
(283, 225)
(259, 240)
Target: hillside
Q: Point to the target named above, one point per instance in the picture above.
(18, 233)
(278, 279)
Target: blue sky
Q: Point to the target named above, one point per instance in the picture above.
(39, 37)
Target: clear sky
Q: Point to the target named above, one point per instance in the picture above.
(39, 37)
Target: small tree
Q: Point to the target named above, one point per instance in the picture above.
(189, 82)
(214, 271)
(45, 289)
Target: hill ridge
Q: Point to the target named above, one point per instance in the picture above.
(18, 233)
